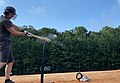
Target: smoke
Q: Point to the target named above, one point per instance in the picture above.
(52, 36)
(59, 44)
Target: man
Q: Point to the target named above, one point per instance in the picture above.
(7, 28)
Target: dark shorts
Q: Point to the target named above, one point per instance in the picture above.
(6, 54)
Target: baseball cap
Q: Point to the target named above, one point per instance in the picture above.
(10, 9)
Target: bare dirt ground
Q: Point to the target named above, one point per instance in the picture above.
(112, 76)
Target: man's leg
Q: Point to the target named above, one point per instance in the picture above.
(8, 69)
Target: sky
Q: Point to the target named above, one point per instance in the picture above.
(65, 14)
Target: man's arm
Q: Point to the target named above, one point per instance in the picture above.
(17, 27)
(15, 32)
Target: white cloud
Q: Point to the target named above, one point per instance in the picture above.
(107, 18)
(3, 3)
(38, 10)
(119, 2)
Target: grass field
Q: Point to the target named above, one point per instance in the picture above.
(112, 76)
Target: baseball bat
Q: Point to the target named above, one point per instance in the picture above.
(41, 38)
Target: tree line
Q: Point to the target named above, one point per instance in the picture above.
(72, 50)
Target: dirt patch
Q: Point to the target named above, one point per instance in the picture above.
(95, 76)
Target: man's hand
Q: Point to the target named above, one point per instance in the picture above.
(28, 33)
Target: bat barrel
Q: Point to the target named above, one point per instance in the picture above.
(42, 38)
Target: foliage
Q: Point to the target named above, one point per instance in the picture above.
(74, 50)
